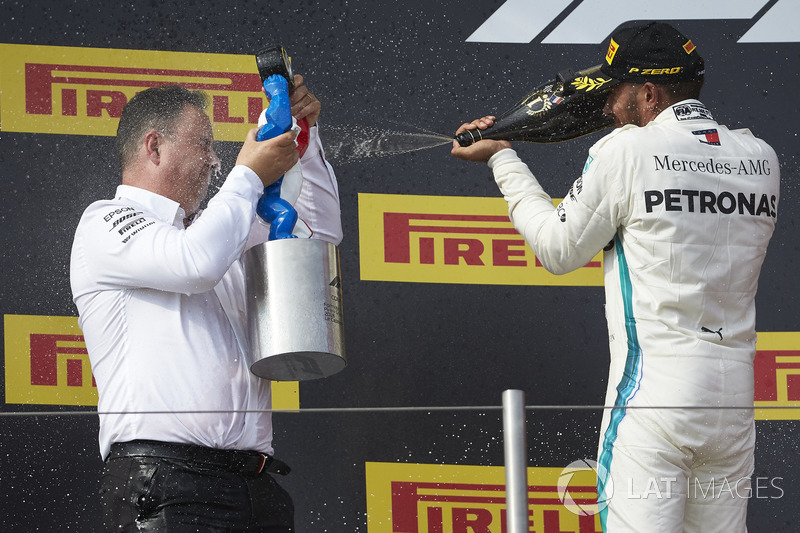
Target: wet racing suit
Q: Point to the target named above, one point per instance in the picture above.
(684, 209)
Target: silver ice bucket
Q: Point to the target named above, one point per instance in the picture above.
(294, 309)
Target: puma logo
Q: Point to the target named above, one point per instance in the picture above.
(718, 332)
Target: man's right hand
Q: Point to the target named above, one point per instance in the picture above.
(270, 159)
(480, 151)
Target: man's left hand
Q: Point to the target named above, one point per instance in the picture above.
(304, 104)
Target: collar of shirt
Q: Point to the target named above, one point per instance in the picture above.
(163, 208)
(684, 110)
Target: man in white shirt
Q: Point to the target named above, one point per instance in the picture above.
(158, 286)
(684, 209)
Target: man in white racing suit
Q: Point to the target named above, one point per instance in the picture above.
(684, 209)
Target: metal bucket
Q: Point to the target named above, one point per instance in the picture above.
(294, 309)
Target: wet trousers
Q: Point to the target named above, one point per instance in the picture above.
(209, 491)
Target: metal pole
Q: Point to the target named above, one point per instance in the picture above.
(515, 449)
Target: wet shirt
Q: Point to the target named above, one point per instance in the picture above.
(162, 309)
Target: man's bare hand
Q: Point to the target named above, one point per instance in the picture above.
(270, 159)
(482, 150)
(304, 104)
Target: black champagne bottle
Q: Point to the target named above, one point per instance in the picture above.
(567, 108)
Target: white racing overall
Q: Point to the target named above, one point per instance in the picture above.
(684, 209)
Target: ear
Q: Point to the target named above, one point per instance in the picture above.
(651, 94)
(152, 146)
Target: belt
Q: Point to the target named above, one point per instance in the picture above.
(236, 461)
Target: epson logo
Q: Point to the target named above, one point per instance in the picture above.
(591, 21)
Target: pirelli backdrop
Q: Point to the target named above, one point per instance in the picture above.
(444, 305)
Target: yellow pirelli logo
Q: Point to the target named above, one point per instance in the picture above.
(777, 375)
(81, 91)
(46, 362)
(441, 239)
(423, 498)
(612, 51)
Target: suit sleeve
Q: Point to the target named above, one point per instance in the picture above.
(564, 237)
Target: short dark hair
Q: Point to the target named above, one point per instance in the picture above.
(157, 108)
(684, 90)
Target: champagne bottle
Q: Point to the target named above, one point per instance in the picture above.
(567, 108)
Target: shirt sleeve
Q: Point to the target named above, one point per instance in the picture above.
(564, 237)
(124, 245)
(318, 204)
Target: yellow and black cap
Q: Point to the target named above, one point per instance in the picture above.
(655, 52)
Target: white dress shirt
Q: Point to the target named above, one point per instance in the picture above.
(160, 306)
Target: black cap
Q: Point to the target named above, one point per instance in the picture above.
(655, 52)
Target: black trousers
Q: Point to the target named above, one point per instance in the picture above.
(151, 486)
